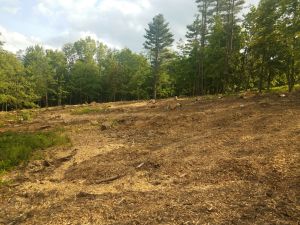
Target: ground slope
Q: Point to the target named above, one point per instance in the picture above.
(212, 161)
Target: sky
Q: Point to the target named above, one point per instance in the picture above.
(117, 23)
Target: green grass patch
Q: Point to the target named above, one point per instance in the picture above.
(16, 117)
(282, 89)
(87, 110)
(5, 182)
(25, 116)
(16, 148)
(6, 117)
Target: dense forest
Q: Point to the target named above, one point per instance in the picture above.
(224, 52)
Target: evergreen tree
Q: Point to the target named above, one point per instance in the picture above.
(158, 39)
(231, 9)
(216, 57)
(193, 48)
(204, 8)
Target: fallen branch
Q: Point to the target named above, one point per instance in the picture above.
(44, 127)
(140, 165)
(110, 179)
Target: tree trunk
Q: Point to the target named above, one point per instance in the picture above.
(260, 85)
(202, 77)
(292, 74)
(46, 100)
(269, 79)
(199, 76)
(156, 74)
(290, 80)
(155, 91)
(59, 98)
(232, 25)
(202, 47)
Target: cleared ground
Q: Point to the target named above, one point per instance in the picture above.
(211, 161)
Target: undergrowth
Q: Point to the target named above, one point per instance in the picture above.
(18, 147)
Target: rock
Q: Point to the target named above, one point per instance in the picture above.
(152, 101)
(156, 182)
(94, 122)
(106, 126)
(174, 106)
(282, 95)
(93, 103)
(55, 117)
(242, 106)
(46, 163)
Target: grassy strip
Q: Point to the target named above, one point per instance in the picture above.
(16, 117)
(282, 89)
(16, 148)
(87, 110)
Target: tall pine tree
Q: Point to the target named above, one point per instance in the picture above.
(158, 39)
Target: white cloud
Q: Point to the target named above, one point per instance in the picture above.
(112, 21)
(14, 41)
(10, 6)
(125, 7)
(44, 10)
(94, 36)
(82, 7)
(118, 23)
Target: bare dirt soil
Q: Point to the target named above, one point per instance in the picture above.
(212, 161)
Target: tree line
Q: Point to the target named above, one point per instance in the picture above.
(224, 52)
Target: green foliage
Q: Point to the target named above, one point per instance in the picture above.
(223, 55)
(85, 81)
(58, 63)
(40, 72)
(15, 89)
(16, 148)
(124, 76)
